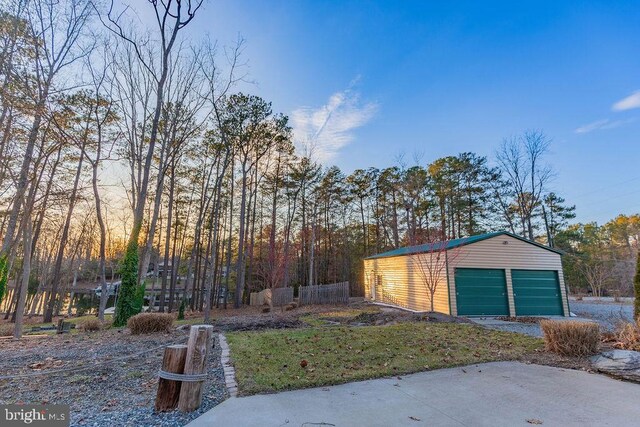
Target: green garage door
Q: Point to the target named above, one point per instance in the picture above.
(536, 292)
(481, 292)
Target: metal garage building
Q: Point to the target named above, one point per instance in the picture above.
(494, 274)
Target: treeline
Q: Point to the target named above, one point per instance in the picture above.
(601, 259)
(124, 152)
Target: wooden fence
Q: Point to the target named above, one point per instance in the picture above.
(275, 297)
(335, 293)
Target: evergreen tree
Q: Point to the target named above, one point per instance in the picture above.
(129, 301)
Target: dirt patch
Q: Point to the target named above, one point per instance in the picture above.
(256, 323)
(387, 317)
(552, 359)
(252, 318)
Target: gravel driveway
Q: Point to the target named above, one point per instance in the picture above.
(607, 313)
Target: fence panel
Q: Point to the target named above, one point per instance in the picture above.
(335, 293)
(275, 297)
(281, 296)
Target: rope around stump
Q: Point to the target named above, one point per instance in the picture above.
(181, 377)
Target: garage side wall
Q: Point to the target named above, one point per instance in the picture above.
(401, 283)
(514, 254)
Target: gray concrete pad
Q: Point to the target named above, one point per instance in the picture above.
(490, 394)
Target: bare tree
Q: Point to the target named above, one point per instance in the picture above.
(102, 114)
(520, 160)
(171, 17)
(431, 263)
(56, 27)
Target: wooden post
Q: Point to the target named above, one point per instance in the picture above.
(168, 390)
(60, 327)
(200, 339)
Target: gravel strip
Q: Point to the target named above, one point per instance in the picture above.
(120, 392)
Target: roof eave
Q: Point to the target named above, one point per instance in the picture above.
(463, 243)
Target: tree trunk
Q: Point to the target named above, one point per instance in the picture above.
(167, 243)
(63, 239)
(26, 272)
(240, 270)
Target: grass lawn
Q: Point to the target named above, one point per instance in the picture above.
(269, 361)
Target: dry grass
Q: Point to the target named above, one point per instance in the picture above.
(91, 324)
(626, 336)
(629, 336)
(570, 338)
(6, 330)
(148, 323)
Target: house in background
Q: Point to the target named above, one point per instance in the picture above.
(493, 274)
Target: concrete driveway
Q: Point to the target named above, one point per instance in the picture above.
(491, 394)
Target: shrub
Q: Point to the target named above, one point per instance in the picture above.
(148, 323)
(6, 330)
(571, 338)
(91, 324)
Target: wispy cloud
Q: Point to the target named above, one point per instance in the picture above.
(603, 124)
(323, 131)
(630, 102)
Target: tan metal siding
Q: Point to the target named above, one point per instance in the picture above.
(402, 284)
(515, 254)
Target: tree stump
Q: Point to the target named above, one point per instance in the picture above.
(168, 390)
(200, 339)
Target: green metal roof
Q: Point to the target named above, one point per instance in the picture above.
(454, 243)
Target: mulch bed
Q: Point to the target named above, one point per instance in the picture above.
(389, 317)
(253, 319)
(255, 323)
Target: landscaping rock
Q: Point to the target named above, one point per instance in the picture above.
(621, 363)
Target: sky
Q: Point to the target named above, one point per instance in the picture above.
(371, 81)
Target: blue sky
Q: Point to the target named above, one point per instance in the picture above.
(401, 77)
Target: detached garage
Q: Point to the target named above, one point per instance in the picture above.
(494, 274)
